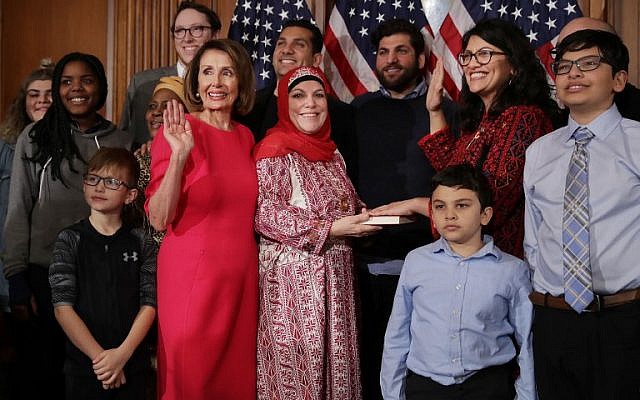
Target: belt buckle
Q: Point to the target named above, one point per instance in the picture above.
(596, 305)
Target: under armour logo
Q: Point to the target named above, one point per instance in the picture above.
(126, 257)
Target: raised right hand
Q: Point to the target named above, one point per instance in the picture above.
(177, 129)
(436, 88)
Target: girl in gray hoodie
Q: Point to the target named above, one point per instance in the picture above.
(46, 196)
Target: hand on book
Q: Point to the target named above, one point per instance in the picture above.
(352, 226)
(417, 205)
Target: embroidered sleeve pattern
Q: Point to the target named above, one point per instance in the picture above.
(280, 221)
(438, 147)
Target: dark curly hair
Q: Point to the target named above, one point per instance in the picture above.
(394, 26)
(528, 86)
(465, 176)
(51, 134)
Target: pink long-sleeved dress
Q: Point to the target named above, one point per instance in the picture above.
(207, 270)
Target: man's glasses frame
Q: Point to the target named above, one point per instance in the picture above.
(482, 56)
(109, 182)
(195, 31)
(584, 64)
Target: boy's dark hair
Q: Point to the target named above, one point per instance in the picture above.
(117, 158)
(316, 35)
(211, 16)
(50, 135)
(466, 177)
(609, 45)
(399, 25)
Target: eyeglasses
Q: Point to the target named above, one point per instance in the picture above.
(109, 183)
(483, 56)
(195, 31)
(588, 63)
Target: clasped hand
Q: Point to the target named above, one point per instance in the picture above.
(108, 367)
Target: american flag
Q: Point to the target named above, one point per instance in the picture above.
(350, 59)
(349, 56)
(257, 23)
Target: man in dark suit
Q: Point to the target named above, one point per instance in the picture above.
(300, 44)
(193, 25)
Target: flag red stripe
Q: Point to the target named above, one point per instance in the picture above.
(451, 35)
(342, 63)
(544, 53)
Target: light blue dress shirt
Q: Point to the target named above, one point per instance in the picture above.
(614, 204)
(453, 316)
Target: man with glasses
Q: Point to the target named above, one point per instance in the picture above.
(582, 228)
(193, 25)
(627, 101)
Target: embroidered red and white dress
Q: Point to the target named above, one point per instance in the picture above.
(307, 339)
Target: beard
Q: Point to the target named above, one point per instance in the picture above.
(399, 83)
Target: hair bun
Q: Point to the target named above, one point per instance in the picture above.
(46, 63)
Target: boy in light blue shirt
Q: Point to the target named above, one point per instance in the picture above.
(460, 303)
(582, 230)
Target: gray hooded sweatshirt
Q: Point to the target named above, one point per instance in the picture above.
(39, 207)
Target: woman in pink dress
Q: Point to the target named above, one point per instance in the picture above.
(203, 191)
(307, 340)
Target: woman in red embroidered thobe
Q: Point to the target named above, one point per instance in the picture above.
(307, 339)
(505, 105)
(203, 190)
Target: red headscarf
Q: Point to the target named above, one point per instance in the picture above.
(285, 138)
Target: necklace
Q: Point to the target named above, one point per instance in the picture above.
(479, 133)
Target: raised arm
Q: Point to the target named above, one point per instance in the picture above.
(434, 99)
(177, 133)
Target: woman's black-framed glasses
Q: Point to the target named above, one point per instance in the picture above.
(482, 56)
(109, 183)
(587, 63)
(195, 31)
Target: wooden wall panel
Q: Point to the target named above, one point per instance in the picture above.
(34, 29)
(624, 15)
